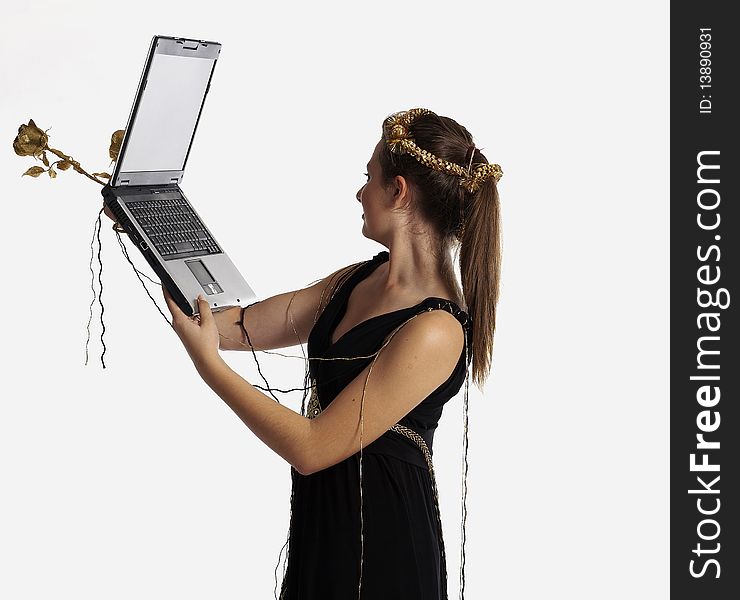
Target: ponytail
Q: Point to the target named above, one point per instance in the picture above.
(480, 273)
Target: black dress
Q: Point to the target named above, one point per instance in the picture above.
(403, 548)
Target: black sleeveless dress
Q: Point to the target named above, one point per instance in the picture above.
(403, 548)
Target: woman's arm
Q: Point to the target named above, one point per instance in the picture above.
(417, 359)
(268, 322)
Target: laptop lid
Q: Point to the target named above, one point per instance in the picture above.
(166, 111)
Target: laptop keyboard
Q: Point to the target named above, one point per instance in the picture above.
(173, 227)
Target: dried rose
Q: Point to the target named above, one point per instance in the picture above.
(115, 144)
(30, 141)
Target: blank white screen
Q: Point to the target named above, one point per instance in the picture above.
(163, 127)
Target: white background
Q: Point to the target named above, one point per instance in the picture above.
(138, 482)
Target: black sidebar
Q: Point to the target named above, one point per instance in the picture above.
(704, 399)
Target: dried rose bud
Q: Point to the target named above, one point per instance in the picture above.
(115, 144)
(30, 141)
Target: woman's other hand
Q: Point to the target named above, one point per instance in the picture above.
(112, 217)
(108, 213)
(199, 333)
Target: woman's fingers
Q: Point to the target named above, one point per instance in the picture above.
(206, 316)
(108, 212)
(198, 333)
(178, 315)
(172, 305)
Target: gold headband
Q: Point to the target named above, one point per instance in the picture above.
(399, 140)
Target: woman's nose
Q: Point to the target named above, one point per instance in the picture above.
(358, 194)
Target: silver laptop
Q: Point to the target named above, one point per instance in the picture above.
(144, 191)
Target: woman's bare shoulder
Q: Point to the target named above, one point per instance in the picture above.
(436, 327)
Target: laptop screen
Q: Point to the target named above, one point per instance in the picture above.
(162, 123)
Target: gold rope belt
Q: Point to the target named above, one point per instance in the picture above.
(419, 441)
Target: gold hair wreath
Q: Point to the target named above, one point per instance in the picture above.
(399, 140)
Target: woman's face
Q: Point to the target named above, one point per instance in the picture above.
(376, 202)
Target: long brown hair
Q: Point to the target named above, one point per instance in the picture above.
(470, 221)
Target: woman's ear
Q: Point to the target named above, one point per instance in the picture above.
(401, 192)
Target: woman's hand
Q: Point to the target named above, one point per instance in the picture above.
(112, 217)
(109, 213)
(199, 333)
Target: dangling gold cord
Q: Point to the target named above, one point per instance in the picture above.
(464, 483)
(342, 277)
(286, 545)
(362, 429)
(431, 469)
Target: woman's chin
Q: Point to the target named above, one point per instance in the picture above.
(365, 232)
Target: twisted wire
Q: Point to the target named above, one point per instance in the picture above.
(139, 276)
(464, 482)
(96, 225)
(341, 278)
(100, 290)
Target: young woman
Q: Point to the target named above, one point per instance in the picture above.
(390, 341)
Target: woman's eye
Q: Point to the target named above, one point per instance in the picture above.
(367, 175)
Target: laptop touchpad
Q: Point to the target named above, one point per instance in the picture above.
(204, 277)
